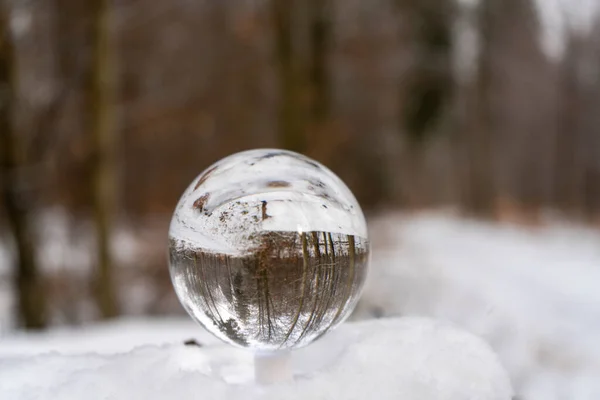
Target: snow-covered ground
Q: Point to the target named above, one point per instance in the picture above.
(531, 292)
(410, 358)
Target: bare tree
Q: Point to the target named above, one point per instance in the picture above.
(430, 78)
(320, 31)
(427, 87)
(104, 152)
(513, 97)
(479, 183)
(302, 40)
(17, 202)
(592, 126)
(291, 119)
(577, 183)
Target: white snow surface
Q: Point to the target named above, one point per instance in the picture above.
(532, 293)
(411, 358)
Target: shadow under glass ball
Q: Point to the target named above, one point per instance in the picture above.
(251, 255)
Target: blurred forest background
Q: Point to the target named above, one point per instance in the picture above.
(109, 109)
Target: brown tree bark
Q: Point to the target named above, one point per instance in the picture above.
(479, 194)
(27, 278)
(291, 118)
(104, 161)
(427, 88)
(302, 33)
(320, 44)
(570, 158)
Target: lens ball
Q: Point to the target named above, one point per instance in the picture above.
(268, 250)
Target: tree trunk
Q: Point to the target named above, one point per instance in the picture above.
(27, 280)
(480, 196)
(291, 117)
(426, 89)
(104, 160)
(320, 38)
(302, 37)
(569, 174)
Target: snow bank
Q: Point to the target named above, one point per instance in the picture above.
(412, 358)
(532, 293)
(107, 338)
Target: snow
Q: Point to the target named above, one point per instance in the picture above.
(530, 292)
(413, 358)
(108, 338)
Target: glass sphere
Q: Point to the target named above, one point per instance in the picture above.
(268, 250)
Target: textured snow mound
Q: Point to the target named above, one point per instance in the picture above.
(412, 358)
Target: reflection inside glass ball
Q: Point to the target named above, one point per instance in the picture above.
(268, 250)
